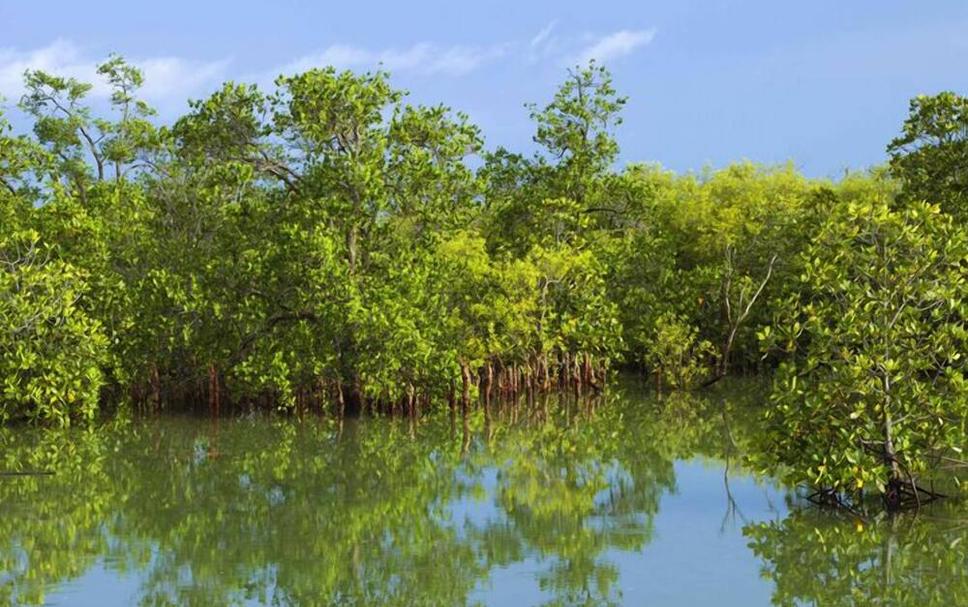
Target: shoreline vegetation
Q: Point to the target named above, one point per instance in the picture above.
(328, 246)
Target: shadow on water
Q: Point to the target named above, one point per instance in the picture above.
(555, 503)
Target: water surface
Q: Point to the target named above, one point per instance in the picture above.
(626, 500)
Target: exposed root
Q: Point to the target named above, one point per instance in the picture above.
(908, 495)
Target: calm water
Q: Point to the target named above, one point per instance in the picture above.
(630, 501)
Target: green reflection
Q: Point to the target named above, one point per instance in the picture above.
(817, 559)
(378, 512)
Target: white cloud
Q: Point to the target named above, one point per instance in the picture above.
(167, 79)
(170, 80)
(615, 45)
(61, 57)
(546, 43)
(543, 35)
(427, 58)
(422, 57)
(172, 77)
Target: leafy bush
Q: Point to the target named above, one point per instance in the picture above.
(51, 351)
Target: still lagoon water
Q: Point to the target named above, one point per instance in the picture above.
(624, 500)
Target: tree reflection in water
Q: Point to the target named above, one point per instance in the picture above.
(388, 511)
(815, 558)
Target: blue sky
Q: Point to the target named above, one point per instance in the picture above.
(823, 83)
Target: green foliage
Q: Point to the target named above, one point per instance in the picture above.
(676, 352)
(51, 351)
(930, 157)
(700, 248)
(874, 390)
(70, 131)
(575, 129)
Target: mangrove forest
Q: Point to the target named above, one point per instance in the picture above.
(317, 344)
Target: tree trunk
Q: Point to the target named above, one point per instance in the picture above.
(893, 492)
(340, 400)
(488, 382)
(547, 379)
(213, 390)
(465, 400)
(411, 405)
(155, 388)
(565, 369)
(452, 407)
(352, 397)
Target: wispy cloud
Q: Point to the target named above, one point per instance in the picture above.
(543, 35)
(170, 80)
(423, 57)
(427, 58)
(172, 77)
(614, 45)
(546, 43)
(167, 79)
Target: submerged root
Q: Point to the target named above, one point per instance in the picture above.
(826, 497)
(908, 495)
(899, 495)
